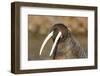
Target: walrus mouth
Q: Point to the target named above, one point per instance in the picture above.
(54, 44)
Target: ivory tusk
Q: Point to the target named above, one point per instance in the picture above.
(45, 41)
(55, 43)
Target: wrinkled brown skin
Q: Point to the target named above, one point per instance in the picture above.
(67, 46)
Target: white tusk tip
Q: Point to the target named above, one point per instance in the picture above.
(39, 53)
(50, 54)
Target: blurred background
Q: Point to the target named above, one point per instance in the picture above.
(39, 27)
